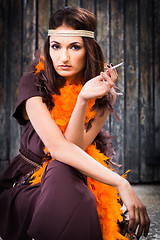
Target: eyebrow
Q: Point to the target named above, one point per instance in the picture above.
(69, 44)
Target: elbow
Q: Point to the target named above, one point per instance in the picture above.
(56, 149)
(61, 150)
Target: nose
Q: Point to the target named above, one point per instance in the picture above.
(64, 55)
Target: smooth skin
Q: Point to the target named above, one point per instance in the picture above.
(68, 57)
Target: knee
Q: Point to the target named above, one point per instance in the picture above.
(57, 172)
(61, 180)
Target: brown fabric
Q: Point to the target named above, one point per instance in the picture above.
(30, 139)
(12, 225)
(18, 168)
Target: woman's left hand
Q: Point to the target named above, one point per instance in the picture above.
(139, 221)
(99, 86)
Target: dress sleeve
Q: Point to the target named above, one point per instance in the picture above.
(27, 89)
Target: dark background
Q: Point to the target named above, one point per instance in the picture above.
(128, 31)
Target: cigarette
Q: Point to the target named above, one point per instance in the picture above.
(118, 65)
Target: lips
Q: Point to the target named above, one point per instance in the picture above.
(64, 67)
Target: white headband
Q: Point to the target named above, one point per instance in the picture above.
(71, 33)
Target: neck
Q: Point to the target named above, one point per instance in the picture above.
(76, 79)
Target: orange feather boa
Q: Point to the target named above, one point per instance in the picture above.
(108, 208)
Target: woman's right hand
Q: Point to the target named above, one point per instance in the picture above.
(138, 216)
(94, 88)
(99, 86)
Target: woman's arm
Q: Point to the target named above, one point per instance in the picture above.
(69, 153)
(57, 145)
(76, 132)
(95, 88)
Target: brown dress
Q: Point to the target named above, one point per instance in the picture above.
(61, 207)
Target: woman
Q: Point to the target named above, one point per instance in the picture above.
(62, 107)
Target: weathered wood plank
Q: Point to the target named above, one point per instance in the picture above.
(117, 56)
(131, 118)
(73, 3)
(43, 19)
(103, 33)
(157, 84)
(4, 100)
(146, 83)
(29, 32)
(15, 72)
(56, 4)
(88, 4)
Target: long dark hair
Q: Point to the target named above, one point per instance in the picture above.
(79, 19)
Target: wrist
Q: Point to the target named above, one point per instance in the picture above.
(121, 183)
(82, 100)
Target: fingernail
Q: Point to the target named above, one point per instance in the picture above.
(102, 73)
(108, 66)
(111, 64)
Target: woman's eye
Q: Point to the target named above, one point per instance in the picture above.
(75, 47)
(55, 46)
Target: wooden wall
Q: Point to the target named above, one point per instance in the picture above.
(128, 31)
